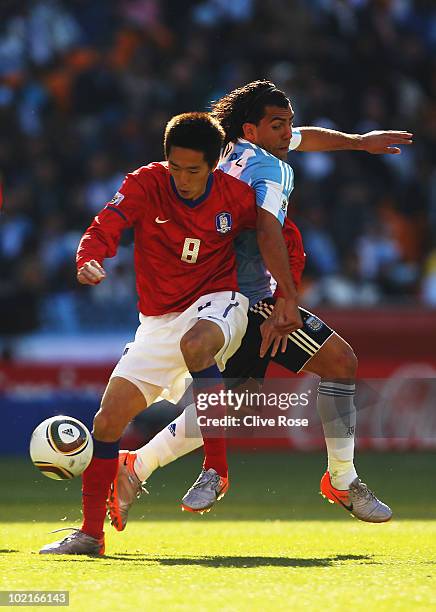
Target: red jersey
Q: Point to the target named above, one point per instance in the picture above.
(183, 248)
(297, 256)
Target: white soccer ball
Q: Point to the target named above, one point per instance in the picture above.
(61, 447)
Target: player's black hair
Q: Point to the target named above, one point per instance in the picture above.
(246, 105)
(197, 131)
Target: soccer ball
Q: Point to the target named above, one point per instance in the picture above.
(61, 447)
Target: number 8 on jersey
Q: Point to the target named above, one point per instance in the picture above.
(191, 249)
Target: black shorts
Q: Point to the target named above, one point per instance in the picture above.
(303, 344)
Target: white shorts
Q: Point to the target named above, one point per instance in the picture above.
(154, 362)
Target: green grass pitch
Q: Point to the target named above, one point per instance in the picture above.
(272, 542)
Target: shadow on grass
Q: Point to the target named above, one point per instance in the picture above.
(233, 561)
(5, 551)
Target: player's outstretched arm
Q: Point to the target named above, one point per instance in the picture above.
(376, 142)
(91, 273)
(379, 142)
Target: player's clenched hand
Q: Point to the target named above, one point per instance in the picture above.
(379, 142)
(91, 273)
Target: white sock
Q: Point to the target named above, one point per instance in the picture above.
(180, 437)
(336, 408)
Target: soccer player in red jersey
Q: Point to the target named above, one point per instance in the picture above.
(258, 121)
(185, 215)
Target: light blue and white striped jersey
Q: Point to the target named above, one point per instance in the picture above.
(273, 182)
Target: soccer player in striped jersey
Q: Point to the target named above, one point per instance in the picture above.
(257, 120)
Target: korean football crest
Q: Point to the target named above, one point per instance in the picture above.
(223, 222)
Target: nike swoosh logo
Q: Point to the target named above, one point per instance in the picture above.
(349, 508)
(161, 220)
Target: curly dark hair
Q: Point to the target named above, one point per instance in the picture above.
(246, 104)
(198, 131)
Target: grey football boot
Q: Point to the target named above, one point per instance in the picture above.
(124, 490)
(358, 500)
(206, 490)
(77, 543)
(366, 506)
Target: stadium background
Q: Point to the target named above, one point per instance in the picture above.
(85, 91)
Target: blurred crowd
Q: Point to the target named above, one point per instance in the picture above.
(86, 88)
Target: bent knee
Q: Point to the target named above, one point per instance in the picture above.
(198, 350)
(345, 362)
(192, 345)
(200, 344)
